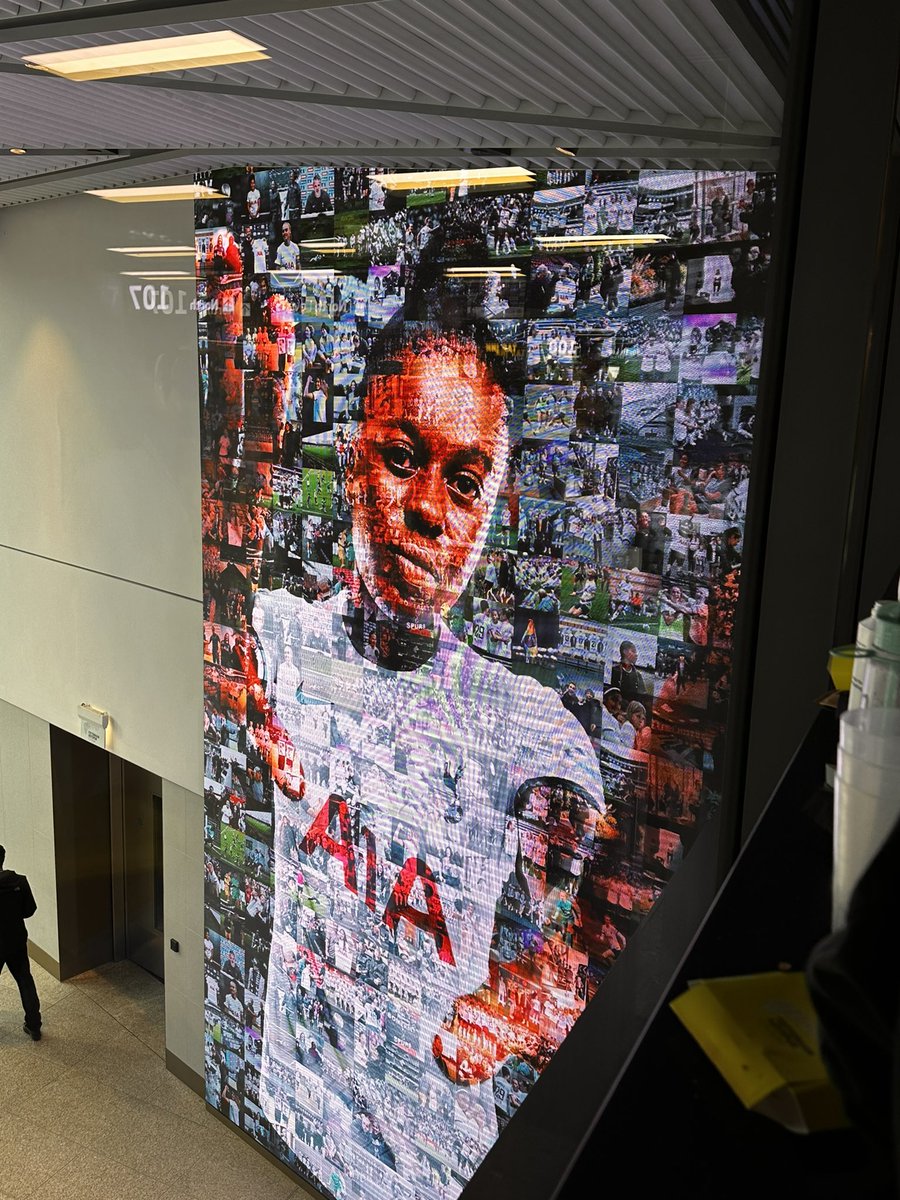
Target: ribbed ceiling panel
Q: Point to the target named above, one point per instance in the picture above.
(14, 167)
(613, 57)
(654, 75)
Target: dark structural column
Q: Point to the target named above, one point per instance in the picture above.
(836, 333)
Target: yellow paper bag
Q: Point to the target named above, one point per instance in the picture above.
(760, 1032)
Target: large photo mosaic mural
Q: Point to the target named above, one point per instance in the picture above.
(476, 452)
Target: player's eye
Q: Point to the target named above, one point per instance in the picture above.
(465, 487)
(399, 460)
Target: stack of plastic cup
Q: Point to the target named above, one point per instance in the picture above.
(866, 796)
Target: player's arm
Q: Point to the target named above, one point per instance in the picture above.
(270, 737)
(557, 888)
(458, 1050)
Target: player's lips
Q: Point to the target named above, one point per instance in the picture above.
(412, 562)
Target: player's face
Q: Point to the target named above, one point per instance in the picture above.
(425, 481)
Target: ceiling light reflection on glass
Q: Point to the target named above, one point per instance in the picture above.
(407, 181)
(599, 239)
(154, 251)
(335, 243)
(286, 276)
(141, 195)
(146, 57)
(505, 272)
(156, 276)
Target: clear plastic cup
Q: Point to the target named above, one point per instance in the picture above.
(843, 661)
(862, 824)
(872, 734)
(881, 681)
(869, 777)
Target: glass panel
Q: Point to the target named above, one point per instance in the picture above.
(476, 452)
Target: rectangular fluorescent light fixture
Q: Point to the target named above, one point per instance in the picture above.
(600, 239)
(154, 251)
(566, 151)
(140, 195)
(506, 272)
(407, 181)
(146, 57)
(158, 274)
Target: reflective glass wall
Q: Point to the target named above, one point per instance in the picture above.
(476, 453)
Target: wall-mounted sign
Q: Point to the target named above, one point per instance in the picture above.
(93, 724)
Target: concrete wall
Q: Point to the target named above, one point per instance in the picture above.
(99, 529)
(183, 920)
(100, 558)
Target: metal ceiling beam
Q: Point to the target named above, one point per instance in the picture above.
(145, 14)
(752, 35)
(558, 119)
(258, 153)
(69, 151)
(94, 168)
(734, 157)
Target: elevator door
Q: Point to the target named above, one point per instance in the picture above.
(142, 855)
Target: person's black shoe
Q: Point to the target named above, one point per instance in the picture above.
(34, 1034)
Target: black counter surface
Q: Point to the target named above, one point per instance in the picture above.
(672, 1123)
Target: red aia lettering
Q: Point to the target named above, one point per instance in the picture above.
(371, 868)
(318, 835)
(432, 920)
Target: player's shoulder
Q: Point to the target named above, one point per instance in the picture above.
(530, 693)
(279, 602)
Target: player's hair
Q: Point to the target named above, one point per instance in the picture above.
(423, 352)
(2, 855)
(435, 308)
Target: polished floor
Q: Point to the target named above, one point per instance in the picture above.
(91, 1113)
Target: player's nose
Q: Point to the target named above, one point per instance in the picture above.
(425, 511)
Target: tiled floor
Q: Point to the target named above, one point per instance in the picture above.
(91, 1113)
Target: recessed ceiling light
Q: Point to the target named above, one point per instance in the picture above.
(147, 57)
(137, 195)
(565, 150)
(17, 150)
(406, 181)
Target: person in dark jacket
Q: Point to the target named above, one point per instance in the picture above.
(17, 904)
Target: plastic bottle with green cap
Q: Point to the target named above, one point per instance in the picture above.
(887, 627)
(865, 637)
(881, 679)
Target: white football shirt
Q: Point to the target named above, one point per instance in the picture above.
(388, 875)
